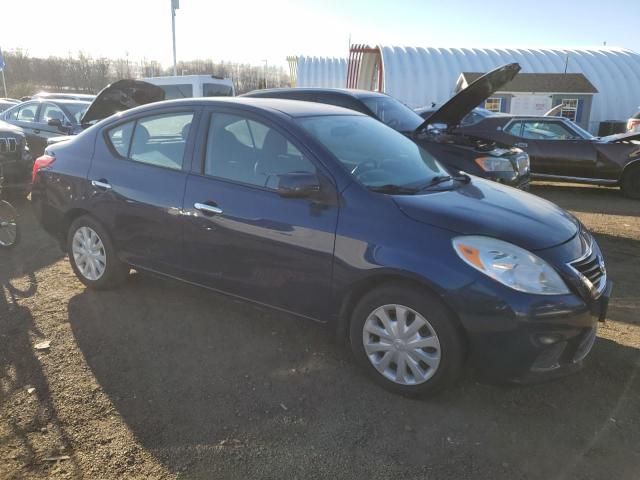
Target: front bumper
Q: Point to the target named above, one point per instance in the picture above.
(16, 173)
(512, 179)
(528, 338)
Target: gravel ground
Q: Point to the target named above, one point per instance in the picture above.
(164, 380)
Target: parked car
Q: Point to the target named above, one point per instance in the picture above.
(188, 86)
(560, 150)
(52, 121)
(6, 103)
(633, 125)
(330, 215)
(16, 162)
(489, 159)
(41, 119)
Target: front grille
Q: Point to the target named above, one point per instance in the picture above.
(592, 268)
(8, 145)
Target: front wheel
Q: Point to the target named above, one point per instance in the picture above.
(630, 184)
(9, 228)
(93, 256)
(407, 340)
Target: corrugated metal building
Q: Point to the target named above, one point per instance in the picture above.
(318, 71)
(422, 76)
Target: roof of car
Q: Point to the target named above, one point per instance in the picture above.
(291, 108)
(352, 92)
(63, 101)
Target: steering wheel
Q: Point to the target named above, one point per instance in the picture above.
(393, 123)
(363, 167)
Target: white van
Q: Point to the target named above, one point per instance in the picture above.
(187, 86)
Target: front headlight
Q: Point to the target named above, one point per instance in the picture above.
(494, 164)
(510, 265)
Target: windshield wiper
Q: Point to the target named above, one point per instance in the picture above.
(438, 179)
(392, 189)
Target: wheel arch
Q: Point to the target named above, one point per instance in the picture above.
(360, 288)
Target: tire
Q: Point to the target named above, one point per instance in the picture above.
(630, 184)
(440, 337)
(106, 271)
(9, 225)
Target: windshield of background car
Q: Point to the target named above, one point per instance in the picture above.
(394, 113)
(216, 90)
(77, 110)
(172, 92)
(373, 153)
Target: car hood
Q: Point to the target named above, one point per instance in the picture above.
(482, 207)
(119, 96)
(621, 137)
(9, 128)
(461, 104)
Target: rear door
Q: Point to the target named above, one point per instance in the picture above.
(554, 148)
(241, 236)
(138, 180)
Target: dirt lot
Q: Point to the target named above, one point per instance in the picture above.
(163, 380)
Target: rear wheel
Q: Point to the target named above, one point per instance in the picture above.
(406, 340)
(92, 255)
(9, 229)
(630, 184)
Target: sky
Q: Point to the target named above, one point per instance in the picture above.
(252, 31)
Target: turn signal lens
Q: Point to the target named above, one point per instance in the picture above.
(40, 163)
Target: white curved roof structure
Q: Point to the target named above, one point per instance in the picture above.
(420, 76)
(319, 71)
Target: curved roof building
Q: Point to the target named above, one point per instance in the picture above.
(422, 76)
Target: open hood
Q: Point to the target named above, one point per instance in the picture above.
(622, 137)
(458, 106)
(119, 96)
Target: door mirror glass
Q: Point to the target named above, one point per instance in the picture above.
(298, 184)
(55, 122)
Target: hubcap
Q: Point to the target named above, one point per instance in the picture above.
(401, 344)
(88, 253)
(8, 232)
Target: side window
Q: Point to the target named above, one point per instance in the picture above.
(250, 152)
(28, 113)
(50, 111)
(547, 131)
(120, 138)
(514, 128)
(159, 140)
(171, 92)
(13, 114)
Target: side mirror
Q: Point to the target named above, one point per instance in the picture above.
(298, 184)
(55, 122)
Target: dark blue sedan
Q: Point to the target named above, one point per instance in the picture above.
(330, 215)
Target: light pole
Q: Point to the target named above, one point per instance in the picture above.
(175, 5)
(265, 73)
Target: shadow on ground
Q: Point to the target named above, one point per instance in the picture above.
(213, 387)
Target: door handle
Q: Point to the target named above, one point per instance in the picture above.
(522, 145)
(101, 184)
(36, 130)
(207, 209)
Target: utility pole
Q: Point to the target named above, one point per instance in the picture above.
(175, 5)
(265, 73)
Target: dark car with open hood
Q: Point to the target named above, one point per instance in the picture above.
(489, 159)
(327, 214)
(559, 149)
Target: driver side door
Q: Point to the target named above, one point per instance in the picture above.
(554, 148)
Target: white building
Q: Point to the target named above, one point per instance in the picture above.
(423, 76)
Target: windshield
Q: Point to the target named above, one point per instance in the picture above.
(374, 154)
(582, 132)
(394, 113)
(77, 110)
